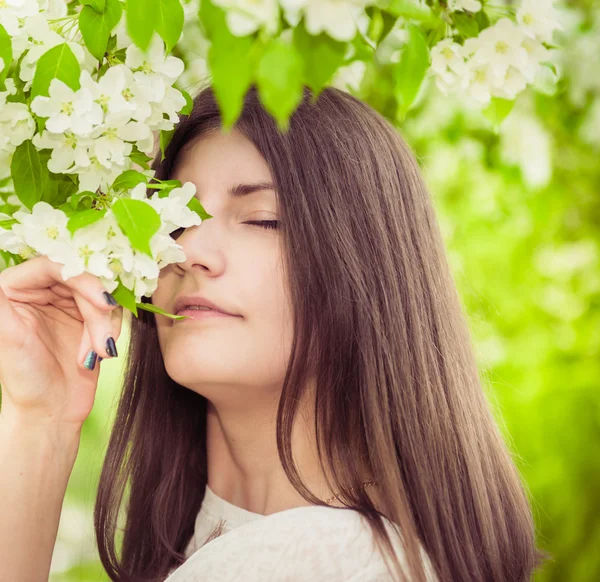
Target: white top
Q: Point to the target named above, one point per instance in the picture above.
(302, 544)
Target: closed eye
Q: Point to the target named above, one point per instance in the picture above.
(268, 224)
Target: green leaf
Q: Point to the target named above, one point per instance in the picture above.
(155, 309)
(411, 9)
(466, 24)
(141, 21)
(279, 79)
(57, 63)
(195, 205)
(189, 103)
(165, 138)
(7, 224)
(79, 197)
(140, 158)
(483, 20)
(80, 219)
(29, 169)
(138, 220)
(98, 5)
(169, 22)
(125, 297)
(96, 28)
(129, 179)
(322, 56)
(6, 54)
(165, 185)
(231, 62)
(497, 111)
(411, 70)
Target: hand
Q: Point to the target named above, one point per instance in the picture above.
(47, 328)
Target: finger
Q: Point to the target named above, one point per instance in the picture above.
(41, 273)
(87, 289)
(85, 346)
(98, 324)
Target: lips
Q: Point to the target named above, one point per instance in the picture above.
(184, 301)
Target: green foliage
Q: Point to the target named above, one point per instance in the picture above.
(321, 56)
(231, 59)
(138, 221)
(169, 22)
(410, 71)
(279, 77)
(5, 54)
(57, 63)
(141, 21)
(96, 28)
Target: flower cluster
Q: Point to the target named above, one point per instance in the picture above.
(91, 131)
(502, 60)
(16, 124)
(102, 248)
(340, 20)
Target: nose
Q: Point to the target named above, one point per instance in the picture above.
(204, 247)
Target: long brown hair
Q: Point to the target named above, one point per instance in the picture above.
(398, 389)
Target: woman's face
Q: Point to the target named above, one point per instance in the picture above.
(237, 266)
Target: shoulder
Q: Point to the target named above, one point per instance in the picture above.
(306, 543)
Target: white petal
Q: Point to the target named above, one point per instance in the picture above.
(59, 123)
(44, 106)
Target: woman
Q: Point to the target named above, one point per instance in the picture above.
(336, 402)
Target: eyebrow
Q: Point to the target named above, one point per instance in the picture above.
(240, 190)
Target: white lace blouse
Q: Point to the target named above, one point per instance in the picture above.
(303, 544)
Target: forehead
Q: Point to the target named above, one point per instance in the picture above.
(218, 161)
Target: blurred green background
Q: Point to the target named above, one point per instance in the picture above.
(519, 208)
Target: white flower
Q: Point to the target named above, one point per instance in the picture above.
(470, 5)
(97, 175)
(12, 17)
(67, 109)
(448, 64)
(45, 227)
(154, 63)
(171, 104)
(513, 83)
(247, 16)
(482, 78)
(539, 19)
(110, 141)
(16, 124)
(166, 251)
(41, 40)
(53, 8)
(173, 209)
(349, 78)
(134, 95)
(340, 19)
(500, 45)
(108, 92)
(67, 148)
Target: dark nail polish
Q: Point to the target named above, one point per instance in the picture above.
(90, 360)
(109, 298)
(111, 348)
(100, 358)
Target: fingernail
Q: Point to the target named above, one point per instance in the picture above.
(109, 298)
(111, 348)
(90, 360)
(100, 358)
